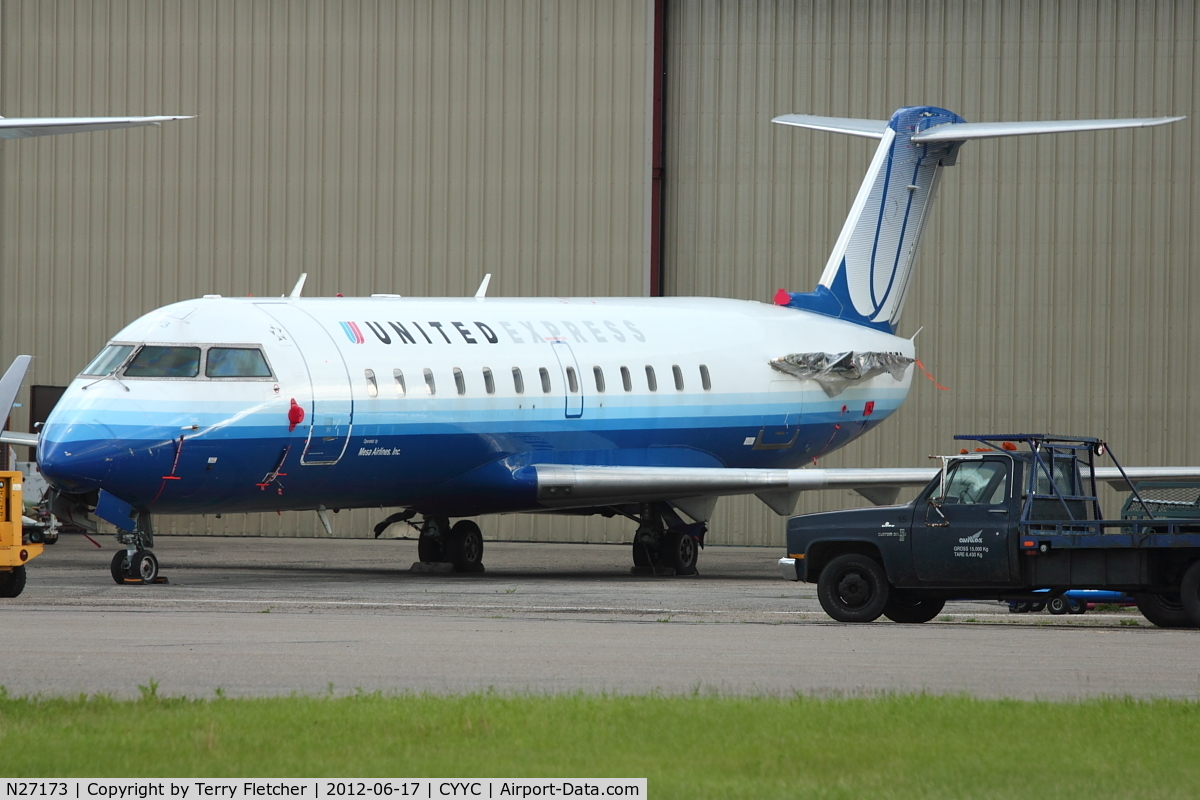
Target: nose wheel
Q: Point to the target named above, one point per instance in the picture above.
(135, 566)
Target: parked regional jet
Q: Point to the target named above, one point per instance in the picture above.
(649, 408)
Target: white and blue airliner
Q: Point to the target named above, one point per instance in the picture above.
(449, 408)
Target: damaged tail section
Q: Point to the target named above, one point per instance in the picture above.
(869, 270)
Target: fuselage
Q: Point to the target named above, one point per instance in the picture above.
(440, 404)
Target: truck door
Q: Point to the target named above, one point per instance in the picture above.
(962, 537)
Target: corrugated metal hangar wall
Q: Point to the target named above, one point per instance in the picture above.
(413, 146)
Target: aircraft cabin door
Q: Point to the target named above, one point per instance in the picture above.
(330, 410)
(572, 380)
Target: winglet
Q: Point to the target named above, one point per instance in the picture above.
(299, 287)
(481, 292)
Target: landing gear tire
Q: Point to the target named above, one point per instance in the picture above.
(429, 549)
(144, 566)
(911, 609)
(1189, 593)
(678, 551)
(464, 547)
(118, 567)
(1164, 610)
(12, 583)
(431, 543)
(641, 555)
(853, 588)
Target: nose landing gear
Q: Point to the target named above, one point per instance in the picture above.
(136, 564)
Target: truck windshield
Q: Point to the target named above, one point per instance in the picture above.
(977, 483)
(161, 361)
(109, 359)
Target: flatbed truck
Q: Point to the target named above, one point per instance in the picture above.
(1015, 519)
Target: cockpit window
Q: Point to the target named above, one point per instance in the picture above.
(162, 361)
(236, 362)
(109, 359)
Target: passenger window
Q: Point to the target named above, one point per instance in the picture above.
(678, 373)
(399, 376)
(518, 381)
(572, 380)
(626, 379)
(236, 362)
(977, 483)
(430, 385)
(109, 359)
(158, 361)
(372, 386)
(651, 381)
(598, 374)
(489, 384)
(705, 380)
(545, 379)
(460, 383)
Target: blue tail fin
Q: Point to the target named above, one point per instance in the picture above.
(867, 275)
(868, 272)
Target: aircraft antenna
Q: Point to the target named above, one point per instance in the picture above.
(299, 287)
(481, 292)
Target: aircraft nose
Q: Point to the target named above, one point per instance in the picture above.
(78, 457)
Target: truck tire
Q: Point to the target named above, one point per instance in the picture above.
(12, 583)
(1164, 610)
(911, 609)
(853, 588)
(1189, 593)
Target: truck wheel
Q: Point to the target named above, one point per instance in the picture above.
(1075, 606)
(1057, 605)
(1189, 593)
(906, 608)
(12, 583)
(1164, 610)
(853, 588)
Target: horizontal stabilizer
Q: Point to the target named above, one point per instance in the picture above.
(23, 128)
(869, 128)
(962, 131)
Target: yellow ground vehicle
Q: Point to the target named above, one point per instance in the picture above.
(14, 552)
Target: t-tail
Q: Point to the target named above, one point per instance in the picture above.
(869, 270)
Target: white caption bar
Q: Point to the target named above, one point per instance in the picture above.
(314, 789)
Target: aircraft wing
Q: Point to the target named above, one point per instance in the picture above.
(563, 486)
(23, 128)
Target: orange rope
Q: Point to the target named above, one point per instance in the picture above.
(927, 375)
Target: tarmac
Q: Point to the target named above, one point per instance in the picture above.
(264, 616)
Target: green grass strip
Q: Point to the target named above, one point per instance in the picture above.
(687, 746)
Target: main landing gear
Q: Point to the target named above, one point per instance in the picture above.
(460, 544)
(664, 544)
(136, 564)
